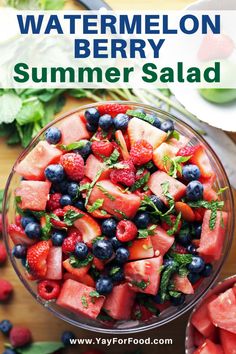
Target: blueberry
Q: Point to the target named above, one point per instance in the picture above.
(80, 204)
(122, 255)
(25, 220)
(117, 274)
(33, 230)
(65, 200)
(91, 128)
(92, 116)
(207, 270)
(121, 121)
(158, 203)
(191, 172)
(105, 122)
(116, 243)
(104, 285)
(168, 262)
(53, 135)
(5, 327)
(197, 264)
(81, 250)
(196, 230)
(141, 220)
(72, 189)
(193, 277)
(63, 187)
(184, 237)
(9, 351)
(102, 249)
(191, 249)
(109, 227)
(19, 251)
(167, 126)
(85, 151)
(66, 337)
(157, 299)
(194, 191)
(177, 301)
(58, 237)
(157, 122)
(55, 173)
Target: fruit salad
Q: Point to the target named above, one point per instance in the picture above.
(117, 214)
(213, 323)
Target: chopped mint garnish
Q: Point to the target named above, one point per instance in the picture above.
(76, 145)
(105, 192)
(141, 284)
(76, 263)
(175, 294)
(174, 165)
(113, 158)
(141, 182)
(144, 233)
(173, 134)
(96, 205)
(165, 280)
(214, 205)
(165, 191)
(221, 190)
(71, 216)
(121, 213)
(146, 117)
(84, 301)
(94, 294)
(114, 270)
(46, 229)
(175, 227)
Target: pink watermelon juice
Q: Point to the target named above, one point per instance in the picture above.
(118, 216)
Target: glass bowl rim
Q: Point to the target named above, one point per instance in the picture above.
(143, 327)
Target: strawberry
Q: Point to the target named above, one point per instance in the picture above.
(48, 289)
(124, 175)
(37, 258)
(122, 144)
(101, 135)
(141, 152)
(6, 290)
(113, 109)
(73, 165)
(102, 148)
(126, 231)
(199, 213)
(69, 243)
(20, 337)
(18, 235)
(3, 253)
(185, 210)
(188, 150)
(98, 214)
(59, 224)
(54, 201)
(201, 159)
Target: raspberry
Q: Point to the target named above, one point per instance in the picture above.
(124, 175)
(113, 109)
(73, 165)
(6, 290)
(48, 289)
(102, 148)
(69, 243)
(3, 253)
(180, 249)
(188, 150)
(126, 231)
(54, 201)
(141, 152)
(20, 336)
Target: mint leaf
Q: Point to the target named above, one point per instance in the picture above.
(84, 301)
(140, 183)
(46, 228)
(76, 145)
(213, 206)
(124, 216)
(165, 191)
(173, 134)
(32, 110)
(105, 192)
(175, 227)
(10, 106)
(140, 284)
(144, 233)
(94, 293)
(174, 165)
(71, 216)
(41, 348)
(96, 205)
(221, 190)
(146, 117)
(165, 280)
(76, 263)
(182, 259)
(113, 158)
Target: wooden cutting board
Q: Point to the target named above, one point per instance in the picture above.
(23, 310)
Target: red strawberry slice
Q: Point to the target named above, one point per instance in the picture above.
(87, 226)
(113, 109)
(79, 273)
(18, 235)
(201, 159)
(37, 258)
(122, 144)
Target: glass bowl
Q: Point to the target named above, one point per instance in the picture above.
(171, 312)
(215, 290)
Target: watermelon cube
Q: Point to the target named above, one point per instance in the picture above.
(208, 347)
(73, 129)
(93, 166)
(212, 240)
(34, 163)
(222, 311)
(144, 275)
(182, 284)
(119, 302)
(198, 338)
(201, 319)
(159, 153)
(115, 202)
(54, 264)
(228, 341)
(161, 241)
(33, 194)
(140, 249)
(176, 188)
(76, 297)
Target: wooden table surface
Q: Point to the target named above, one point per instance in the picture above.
(23, 310)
